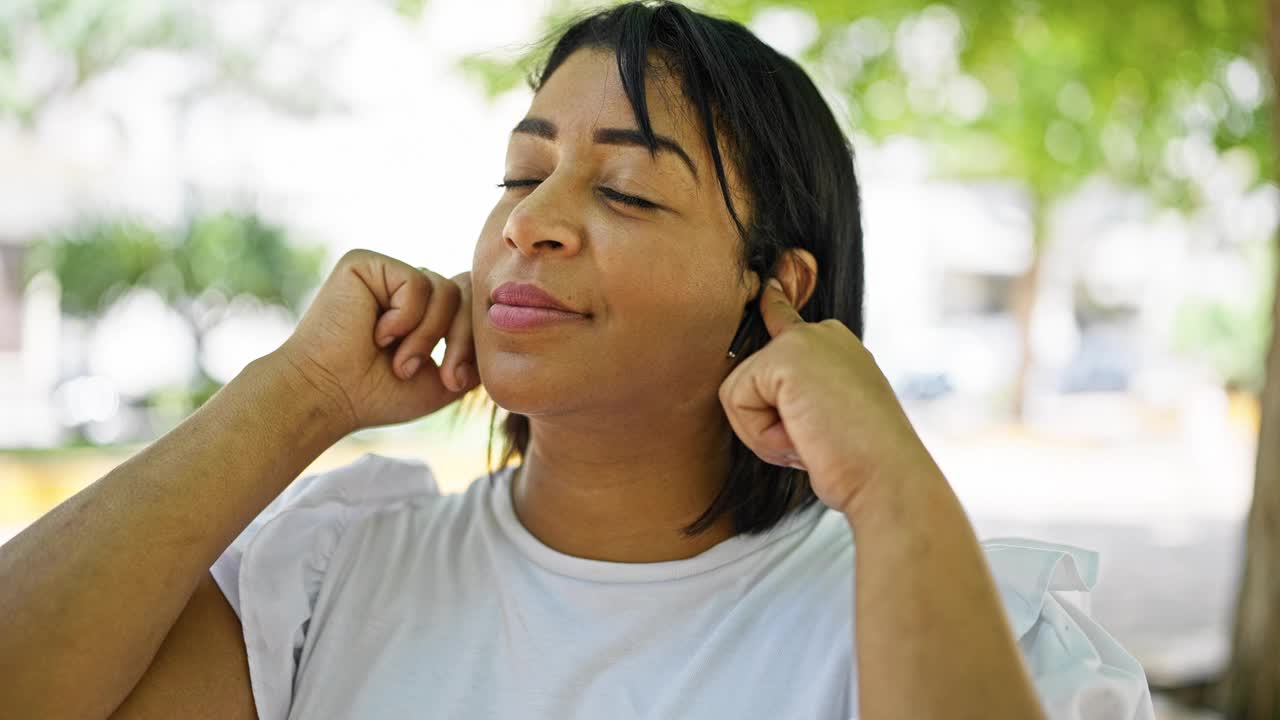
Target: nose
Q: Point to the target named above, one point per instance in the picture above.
(544, 222)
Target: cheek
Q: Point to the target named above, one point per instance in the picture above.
(682, 295)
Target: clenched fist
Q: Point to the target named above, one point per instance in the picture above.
(365, 342)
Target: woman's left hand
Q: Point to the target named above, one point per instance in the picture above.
(813, 398)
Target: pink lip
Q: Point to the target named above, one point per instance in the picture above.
(521, 306)
(519, 317)
(526, 295)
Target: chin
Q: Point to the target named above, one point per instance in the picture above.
(521, 384)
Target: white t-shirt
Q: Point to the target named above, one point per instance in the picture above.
(366, 593)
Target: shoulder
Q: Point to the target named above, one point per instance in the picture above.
(338, 497)
(1027, 572)
(370, 480)
(272, 573)
(302, 525)
(1080, 670)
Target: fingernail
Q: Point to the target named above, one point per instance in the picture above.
(411, 366)
(463, 375)
(385, 341)
(775, 282)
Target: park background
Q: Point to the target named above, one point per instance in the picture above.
(1070, 212)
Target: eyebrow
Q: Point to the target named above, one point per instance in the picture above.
(546, 129)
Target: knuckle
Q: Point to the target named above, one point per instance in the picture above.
(422, 340)
(448, 288)
(427, 276)
(418, 277)
(460, 330)
(445, 299)
(787, 371)
(354, 256)
(464, 289)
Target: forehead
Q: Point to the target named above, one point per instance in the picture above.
(586, 92)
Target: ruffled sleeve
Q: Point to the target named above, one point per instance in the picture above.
(272, 572)
(1080, 671)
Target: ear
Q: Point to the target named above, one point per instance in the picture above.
(798, 272)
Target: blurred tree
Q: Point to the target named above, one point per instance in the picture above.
(53, 48)
(1253, 682)
(1048, 93)
(197, 269)
(1231, 334)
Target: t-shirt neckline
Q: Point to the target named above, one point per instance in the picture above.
(723, 553)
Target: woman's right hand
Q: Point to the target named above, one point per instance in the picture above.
(371, 320)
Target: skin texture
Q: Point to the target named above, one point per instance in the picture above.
(627, 433)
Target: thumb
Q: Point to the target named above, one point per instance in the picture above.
(776, 308)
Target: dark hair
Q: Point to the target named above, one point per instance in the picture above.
(797, 165)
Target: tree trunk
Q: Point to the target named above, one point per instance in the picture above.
(1253, 680)
(1026, 289)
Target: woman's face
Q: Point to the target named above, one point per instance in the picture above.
(659, 282)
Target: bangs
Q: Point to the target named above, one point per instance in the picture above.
(639, 35)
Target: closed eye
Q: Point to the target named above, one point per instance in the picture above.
(509, 184)
(632, 200)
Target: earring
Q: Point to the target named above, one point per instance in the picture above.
(750, 319)
(744, 331)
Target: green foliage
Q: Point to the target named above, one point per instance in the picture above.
(496, 75)
(71, 42)
(90, 35)
(1072, 88)
(240, 254)
(1231, 336)
(96, 262)
(501, 70)
(235, 253)
(411, 8)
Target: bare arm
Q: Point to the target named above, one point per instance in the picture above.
(92, 589)
(929, 621)
(201, 671)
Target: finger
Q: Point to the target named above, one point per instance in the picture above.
(407, 291)
(459, 341)
(776, 309)
(415, 350)
(425, 384)
(753, 414)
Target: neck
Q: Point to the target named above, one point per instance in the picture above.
(623, 494)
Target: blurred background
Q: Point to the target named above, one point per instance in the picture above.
(1070, 215)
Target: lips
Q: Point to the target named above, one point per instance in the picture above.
(527, 295)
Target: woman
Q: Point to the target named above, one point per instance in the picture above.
(678, 539)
